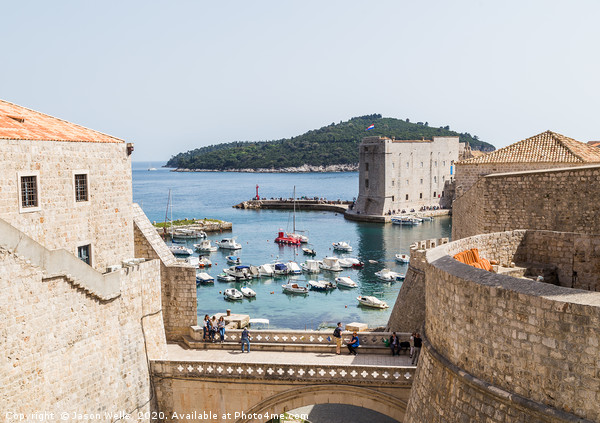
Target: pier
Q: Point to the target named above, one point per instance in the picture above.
(337, 206)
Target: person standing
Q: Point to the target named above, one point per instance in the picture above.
(337, 335)
(245, 339)
(221, 326)
(394, 344)
(412, 344)
(417, 352)
(205, 327)
(353, 344)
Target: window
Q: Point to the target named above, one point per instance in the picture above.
(435, 179)
(29, 191)
(407, 165)
(407, 182)
(83, 252)
(436, 163)
(434, 194)
(421, 164)
(406, 197)
(393, 198)
(366, 183)
(367, 167)
(393, 182)
(81, 188)
(421, 195)
(421, 181)
(444, 163)
(443, 178)
(393, 165)
(366, 148)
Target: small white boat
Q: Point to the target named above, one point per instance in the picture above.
(240, 272)
(205, 246)
(372, 302)
(233, 260)
(185, 233)
(311, 266)
(293, 268)
(248, 292)
(388, 276)
(203, 277)
(180, 250)
(266, 270)
(309, 251)
(373, 261)
(197, 262)
(331, 263)
(402, 258)
(204, 262)
(345, 263)
(354, 262)
(294, 288)
(342, 246)
(321, 285)
(233, 294)
(228, 244)
(345, 282)
(303, 238)
(280, 269)
(224, 277)
(406, 220)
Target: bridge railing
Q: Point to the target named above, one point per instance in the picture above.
(397, 375)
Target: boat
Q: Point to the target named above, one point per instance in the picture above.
(371, 302)
(180, 250)
(331, 263)
(373, 261)
(293, 268)
(197, 262)
(292, 238)
(345, 282)
(344, 263)
(205, 246)
(233, 260)
(240, 272)
(184, 233)
(204, 262)
(224, 277)
(283, 238)
(355, 263)
(405, 220)
(228, 244)
(302, 238)
(309, 251)
(294, 288)
(203, 277)
(321, 285)
(311, 266)
(388, 276)
(233, 294)
(342, 246)
(280, 269)
(266, 270)
(402, 258)
(150, 169)
(248, 292)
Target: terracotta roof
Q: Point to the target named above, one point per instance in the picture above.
(547, 147)
(594, 143)
(21, 123)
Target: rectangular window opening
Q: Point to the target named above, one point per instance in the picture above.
(84, 254)
(29, 191)
(421, 195)
(366, 183)
(81, 188)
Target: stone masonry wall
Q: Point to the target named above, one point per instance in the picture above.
(65, 351)
(178, 281)
(104, 221)
(563, 200)
(529, 349)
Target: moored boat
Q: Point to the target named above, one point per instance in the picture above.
(372, 302)
(203, 277)
(405, 220)
(388, 276)
(331, 263)
(294, 288)
(293, 268)
(224, 277)
(180, 250)
(239, 272)
(321, 285)
(342, 246)
(402, 258)
(184, 233)
(280, 269)
(233, 294)
(248, 292)
(205, 246)
(346, 282)
(311, 266)
(287, 239)
(309, 251)
(266, 270)
(228, 244)
(233, 260)
(204, 262)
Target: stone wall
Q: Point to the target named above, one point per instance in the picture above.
(563, 200)
(104, 221)
(178, 280)
(503, 349)
(63, 350)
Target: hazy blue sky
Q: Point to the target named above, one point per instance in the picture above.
(175, 75)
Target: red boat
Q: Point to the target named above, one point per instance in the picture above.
(283, 238)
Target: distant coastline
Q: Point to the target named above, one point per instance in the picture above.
(301, 169)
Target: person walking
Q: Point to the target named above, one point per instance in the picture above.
(245, 339)
(337, 335)
(417, 352)
(353, 344)
(394, 344)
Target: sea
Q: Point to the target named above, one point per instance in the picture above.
(213, 195)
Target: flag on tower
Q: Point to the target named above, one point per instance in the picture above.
(371, 127)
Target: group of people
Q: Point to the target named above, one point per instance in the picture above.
(352, 344)
(212, 327)
(414, 344)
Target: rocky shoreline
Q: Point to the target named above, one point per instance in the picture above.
(302, 169)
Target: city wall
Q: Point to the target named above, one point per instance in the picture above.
(563, 199)
(504, 349)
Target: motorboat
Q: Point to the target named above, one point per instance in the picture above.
(224, 277)
(204, 262)
(388, 276)
(311, 266)
(266, 270)
(355, 263)
(184, 233)
(280, 269)
(402, 258)
(197, 262)
(228, 244)
(406, 220)
(203, 277)
(344, 263)
(331, 263)
(309, 251)
(293, 268)
(248, 292)
(294, 288)
(233, 260)
(180, 250)
(205, 246)
(346, 282)
(373, 302)
(321, 285)
(233, 294)
(373, 262)
(286, 239)
(302, 238)
(240, 272)
(342, 246)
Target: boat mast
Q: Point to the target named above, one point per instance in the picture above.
(167, 212)
(294, 209)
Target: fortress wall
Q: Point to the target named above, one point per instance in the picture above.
(507, 349)
(65, 351)
(563, 199)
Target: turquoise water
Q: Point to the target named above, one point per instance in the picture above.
(212, 195)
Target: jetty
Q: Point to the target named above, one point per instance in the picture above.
(206, 225)
(338, 206)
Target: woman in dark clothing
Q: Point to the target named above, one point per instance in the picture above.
(394, 344)
(353, 344)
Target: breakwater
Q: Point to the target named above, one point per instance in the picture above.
(338, 206)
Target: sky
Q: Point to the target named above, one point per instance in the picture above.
(172, 76)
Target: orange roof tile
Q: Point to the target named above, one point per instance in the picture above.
(547, 147)
(21, 123)
(594, 143)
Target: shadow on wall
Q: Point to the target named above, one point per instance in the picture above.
(339, 413)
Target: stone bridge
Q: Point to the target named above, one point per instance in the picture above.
(221, 384)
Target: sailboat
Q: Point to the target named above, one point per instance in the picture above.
(291, 238)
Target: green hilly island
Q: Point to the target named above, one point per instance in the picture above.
(335, 144)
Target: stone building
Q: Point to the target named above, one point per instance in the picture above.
(396, 175)
(543, 151)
